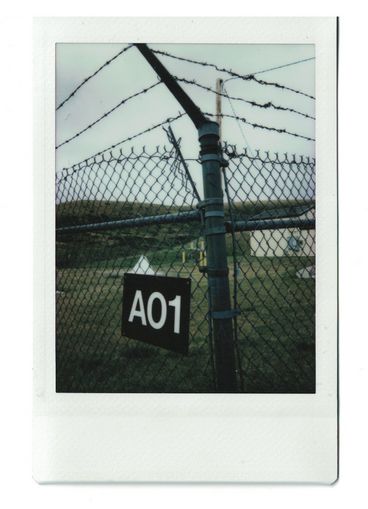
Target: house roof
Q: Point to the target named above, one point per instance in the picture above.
(290, 211)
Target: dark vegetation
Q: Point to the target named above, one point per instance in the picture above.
(80, 249)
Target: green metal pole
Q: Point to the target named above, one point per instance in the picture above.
(217, 269)
(213, 206)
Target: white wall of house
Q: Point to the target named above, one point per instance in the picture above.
(283, 242)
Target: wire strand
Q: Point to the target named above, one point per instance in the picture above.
(235, 277)
(278, 67)
(123, 101)
(108, 62)
(111, 147)
(251, 103)
(245, 77)
(259, 126)
(247, 144)
(237, 121)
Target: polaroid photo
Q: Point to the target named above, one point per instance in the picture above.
(185, 250)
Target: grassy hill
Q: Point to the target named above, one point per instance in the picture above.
(86, 248)
(83, 248)
(97, 211)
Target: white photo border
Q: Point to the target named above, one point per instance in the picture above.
(185, 437)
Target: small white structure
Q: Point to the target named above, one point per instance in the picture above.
(284, 241)
(307, 273)
(142, 267)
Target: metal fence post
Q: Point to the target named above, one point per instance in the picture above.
(214, 221)
(217, 269)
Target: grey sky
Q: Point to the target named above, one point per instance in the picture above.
(130, 73)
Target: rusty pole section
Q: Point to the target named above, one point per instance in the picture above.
(219, 82)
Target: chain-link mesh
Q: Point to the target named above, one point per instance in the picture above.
(273, 269)
(272, 280)
(91, 353)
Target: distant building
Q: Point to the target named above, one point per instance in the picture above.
(143, 267)
(284, 241)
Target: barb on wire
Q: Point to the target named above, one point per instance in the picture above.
(251, 103)
(260, 126)
(126, 48)
(149, 129)
(123, 101)
(245, 77)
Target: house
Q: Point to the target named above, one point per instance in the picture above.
(284, 241)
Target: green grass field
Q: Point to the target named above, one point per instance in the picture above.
(275, 331)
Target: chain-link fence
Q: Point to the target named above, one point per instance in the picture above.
(272, 197)
(147, 188)
(136, 212)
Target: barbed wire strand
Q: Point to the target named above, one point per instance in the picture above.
(245, 77)
(279, 66)
(260, 126)
(251, 103)
(247, 144)
(111, 147)
(123, 101)
(108, 62)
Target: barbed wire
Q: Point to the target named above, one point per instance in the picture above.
(245, 77)
(260, 126)
(246, 143)
(252, 103)
(149, 129)
(126, 48)
(123, 101)
(279, 66)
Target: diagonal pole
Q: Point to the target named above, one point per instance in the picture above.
(186, 102)
(175, 143)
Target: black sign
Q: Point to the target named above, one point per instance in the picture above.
(156, 310)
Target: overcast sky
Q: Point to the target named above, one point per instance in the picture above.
(130, 73)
